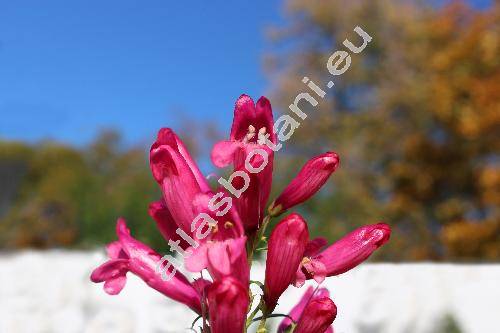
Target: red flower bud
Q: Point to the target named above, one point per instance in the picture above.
(317, 317)
(309, 180)
(286, 248)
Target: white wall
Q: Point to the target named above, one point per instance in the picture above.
(51, 292)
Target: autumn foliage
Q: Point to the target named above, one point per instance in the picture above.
(417, 119)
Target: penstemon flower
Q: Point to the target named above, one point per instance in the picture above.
(250, 125)
(288, 240)
(295, 315)
(315, 312)
(130, 255)
(309, 180)
(219, 232)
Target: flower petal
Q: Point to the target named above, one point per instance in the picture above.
(244, 114)
(115, 285)
(264, 117)
(198, 260)
(144, 262)
(229, 258)
(109, 270)
(167, 136)
(223, 153)
(114, 250)
(179, 186)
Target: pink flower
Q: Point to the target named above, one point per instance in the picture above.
(179, 178)
(228, 304)
(317, 317)
(251, 124)
(286, 247)
(223, 251)
(158, 210)
(130, 255)
(226, 258)
(186, 193)
(309, 180)
(344, 254)
(226, 226)
(298, 309)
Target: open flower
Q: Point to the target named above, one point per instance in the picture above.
(286, 247)
(252, 126)
(343, 255)
(130, 255)
(228, 304)
(297, 311)
(186, 194)
(179, 177)
(309, 180)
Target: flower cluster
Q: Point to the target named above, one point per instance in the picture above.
(225, 241)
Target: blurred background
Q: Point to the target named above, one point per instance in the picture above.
(84, 86)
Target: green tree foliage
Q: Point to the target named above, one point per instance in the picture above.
(56, 196)
(415, 119)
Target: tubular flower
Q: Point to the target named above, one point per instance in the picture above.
(252, 126)
(344, 254)
(179, 177)
(185, 194)
(286, 247)
(309, 180)
(227, 303)
(130, 255)
(317, 316)
(296, 312)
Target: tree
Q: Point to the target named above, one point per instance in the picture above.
(415, 119)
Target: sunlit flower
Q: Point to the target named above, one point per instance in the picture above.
(343, 255)
(315, 312)
(285, 250)
(251, 123)
(130, 255)
(308, 181)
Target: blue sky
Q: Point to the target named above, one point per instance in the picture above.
(69, 69)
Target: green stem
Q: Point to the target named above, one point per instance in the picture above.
(262, 325)
(251, 250)
(258, 237)
(275, 315)
(252, 315)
